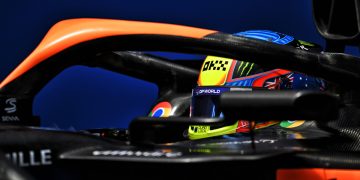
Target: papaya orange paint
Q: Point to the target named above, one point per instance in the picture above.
(70, 32)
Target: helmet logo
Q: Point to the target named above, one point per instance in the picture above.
(215, 65)
(163, 109)
(214, 71)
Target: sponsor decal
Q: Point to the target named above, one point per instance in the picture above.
(215, 65)
(130, 153)
(162, 109)
(214, 71)
(30, 158)
(199, 129)
(291, 124)
(209, 91)
(242, 69)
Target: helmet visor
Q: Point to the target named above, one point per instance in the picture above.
(205, 101)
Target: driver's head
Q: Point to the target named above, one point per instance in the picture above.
(219, 75)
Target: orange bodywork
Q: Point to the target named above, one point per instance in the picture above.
(68, 33)
(317, 174)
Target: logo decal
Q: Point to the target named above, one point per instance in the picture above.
(199, 91)
(30, 158)
(242, 69)
(199, 129)
(163, 109)
(11, 103)
(215, 65)
(291, 124)
(168, 153)
(214, 71)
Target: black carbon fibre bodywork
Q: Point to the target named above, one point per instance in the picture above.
(83, 156)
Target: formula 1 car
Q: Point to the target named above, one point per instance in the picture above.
(159, 145)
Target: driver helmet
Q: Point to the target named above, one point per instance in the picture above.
(219, 74)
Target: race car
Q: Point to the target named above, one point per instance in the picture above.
(157, 146)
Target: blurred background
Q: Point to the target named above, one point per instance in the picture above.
(82, 97)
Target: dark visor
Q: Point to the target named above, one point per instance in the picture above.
(206, 99)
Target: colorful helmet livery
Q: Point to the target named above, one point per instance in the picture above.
(220, 75)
